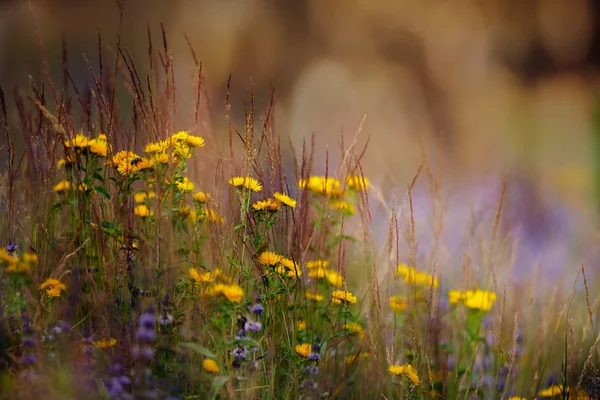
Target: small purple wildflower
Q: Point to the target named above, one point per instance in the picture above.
(312, 369)
(257, 309)
(253, 326)
(11, 247)
(314, 357)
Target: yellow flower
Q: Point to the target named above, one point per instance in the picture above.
(140, 196)
(178, 137)
(344, 206)
(161, 158)
(104, 343)
(234, 293)
(210, 365)
(397, 304)
(455, 296)
(357, 182)
(20, 267)
(552, 391)
(212, 215)
(99, 145)
(317, 264)
(289, 268)
(284, 199)
(322, 185)
(8, 257)
(404, 270)
(334, 278)
(62, 186)
(318, 273)
(198, 277)
(517, 398)
(194, 141)
(479, 300)
(314, 296)
(142, 211)
(300, 325)
(304, 349)
(406, 370)
(31, 258)
(186, 185)
(79, 142)
(421, 278)
(185, 211)
(65, 161)
(156, 147)
(355, 328)
(266, 205)
(247, 182)
(120, 156)
(269, 258)
(181, 150)
(53, 287)
(351, 359)
(343, 296)
(129, 166)
(200, 197)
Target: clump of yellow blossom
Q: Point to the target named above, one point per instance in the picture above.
(142, 195)
(212, 216)
(234, 293)
(317, 264)
(357, 182)
(397, 303)
(245, 182)
(200, 197)
(334, 278)
(186, 185)
(53, 287)
(289, 268)
(552, 391)
(210, 366)
(412, 276)
(304, 349)
(266, 205)
(194, 141)
(79, 142)
(284, 199)
(473, 299)
(8, 257)
(301, 325)
(343, 297)
(142, 211)
(200, 277)
(322, 185)
(343, 206)
(406, 370)
(355, 329)
(121, 156)
(104, 343)
(314, 296)
(99, 145)
(62, 186)
(318, 273)
(269, 258)
(156, 147)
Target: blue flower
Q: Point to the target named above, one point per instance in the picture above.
(257, 309)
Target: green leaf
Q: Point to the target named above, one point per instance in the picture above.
(198, 349)
(56, 208)
(217, 384)
(102, 191)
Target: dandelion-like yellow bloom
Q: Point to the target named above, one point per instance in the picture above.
(181, 151)
(8, 257)
(357, 182)
(314, 297)
(344, 206)
(104, 343)
(304, 349)
(266, 205)
(318, 273)
(99, 145)
(289, 268)
(185, 211)
(212, 216)
(30, 258)
(412, 276)
(552, 391)
(406, 370)
(455, 296)
(63, 162)
(356, 357)
(78, 142)
(317, 264)
(120, 156)
(186, 185)
(355, 329)
(160, 158)
(246, 182)
(322, 185)
(210, 366)
(517, 398)
(269, 258)
(301, 325)
(140, 196)
(234, 293)
(194, 141)
(129, 166)
(343, 297)
(19, 267)
(156, 147)
(397, 303)
(142, 211)
(200, 197)
(53, 287)
(62, 186)
(334, 278)
(178, 137)
(284, 199)
(479, 300)
(200, 277)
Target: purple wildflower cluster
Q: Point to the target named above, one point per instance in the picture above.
(309, 385)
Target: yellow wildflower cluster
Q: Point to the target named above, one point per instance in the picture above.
(288, 268)
(406, 370)
(397, 303)
(301, 325)
(266, 205)
(16, 264)
(53, 287)
(245, 182)
(412, 276)
(233, 292)
(65, 186)
(322, 185)
(473, 299)
(343, 206)
(343, 297)
(210, 366)
(355, 329)
(104, 343)
(284, 199)
(80, 142)
(357, 182)
(304, 349)
(318, 269)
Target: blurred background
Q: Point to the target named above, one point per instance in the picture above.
(499, 86)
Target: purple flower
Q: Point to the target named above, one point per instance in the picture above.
(147, 319)
(166, 319)
(28, 359)
(145, 334)
(240, 352)
(257, 309)
(28, 342)
(11, 247)
(312, 369)
(314, 357)
(253, 326)
(316, 347)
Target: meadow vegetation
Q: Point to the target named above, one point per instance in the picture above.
(124, 275)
